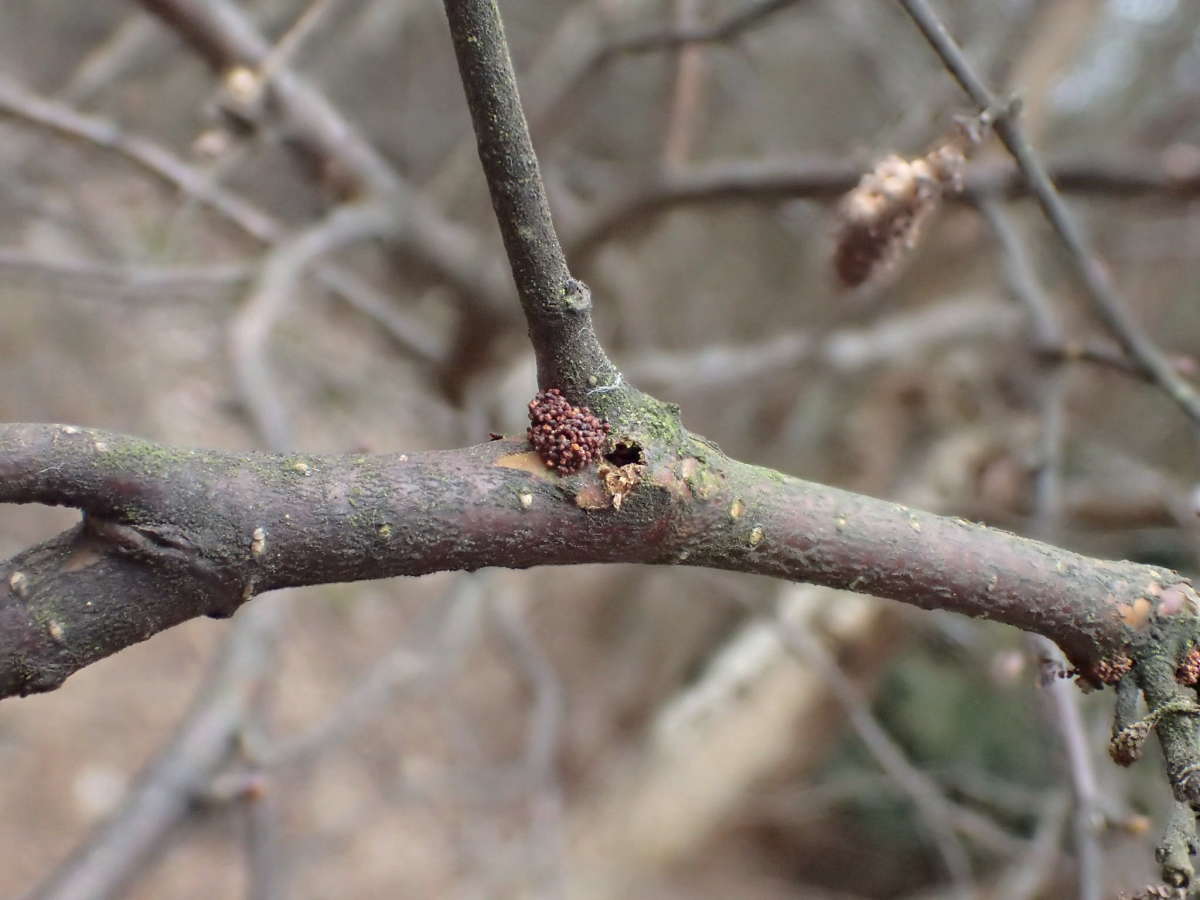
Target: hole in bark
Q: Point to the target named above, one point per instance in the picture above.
(624, 454)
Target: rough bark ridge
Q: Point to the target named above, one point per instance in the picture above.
(170, 534)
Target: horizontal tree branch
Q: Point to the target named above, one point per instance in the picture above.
(779, 179)
(170, 534)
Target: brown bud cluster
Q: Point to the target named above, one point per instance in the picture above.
(1127, 745)
(1112, 669)
(566, 437)
(1189, 669)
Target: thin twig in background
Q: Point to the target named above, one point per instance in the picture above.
(119, 52)
(771, 180)
(557, 308)
(542, 745)
(285, 49)
(258, 807)
(687, 94)
(1064, 716)
(936, 813)
(148, 283)
(119, 849)
(407, 328)
(809, 803)
(903, 336)
(15, 101)
(598, 55)
(751, 15)
(226, 38)
(265, 878)
(1062, 704)
(250, 329)
(1092, 273)
(417, 659)
(1022, 282)
(1027, 877)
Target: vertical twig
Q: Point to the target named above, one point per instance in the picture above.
(409, 331)
(687, 93)
(1062, 706)
(261, 815)
(557, 308)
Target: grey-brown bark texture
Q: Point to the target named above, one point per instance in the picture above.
(169, 534)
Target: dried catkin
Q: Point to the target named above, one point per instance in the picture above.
(882, 218)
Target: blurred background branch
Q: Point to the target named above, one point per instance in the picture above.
(711, 286)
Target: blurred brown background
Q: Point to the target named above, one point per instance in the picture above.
(607, 731)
